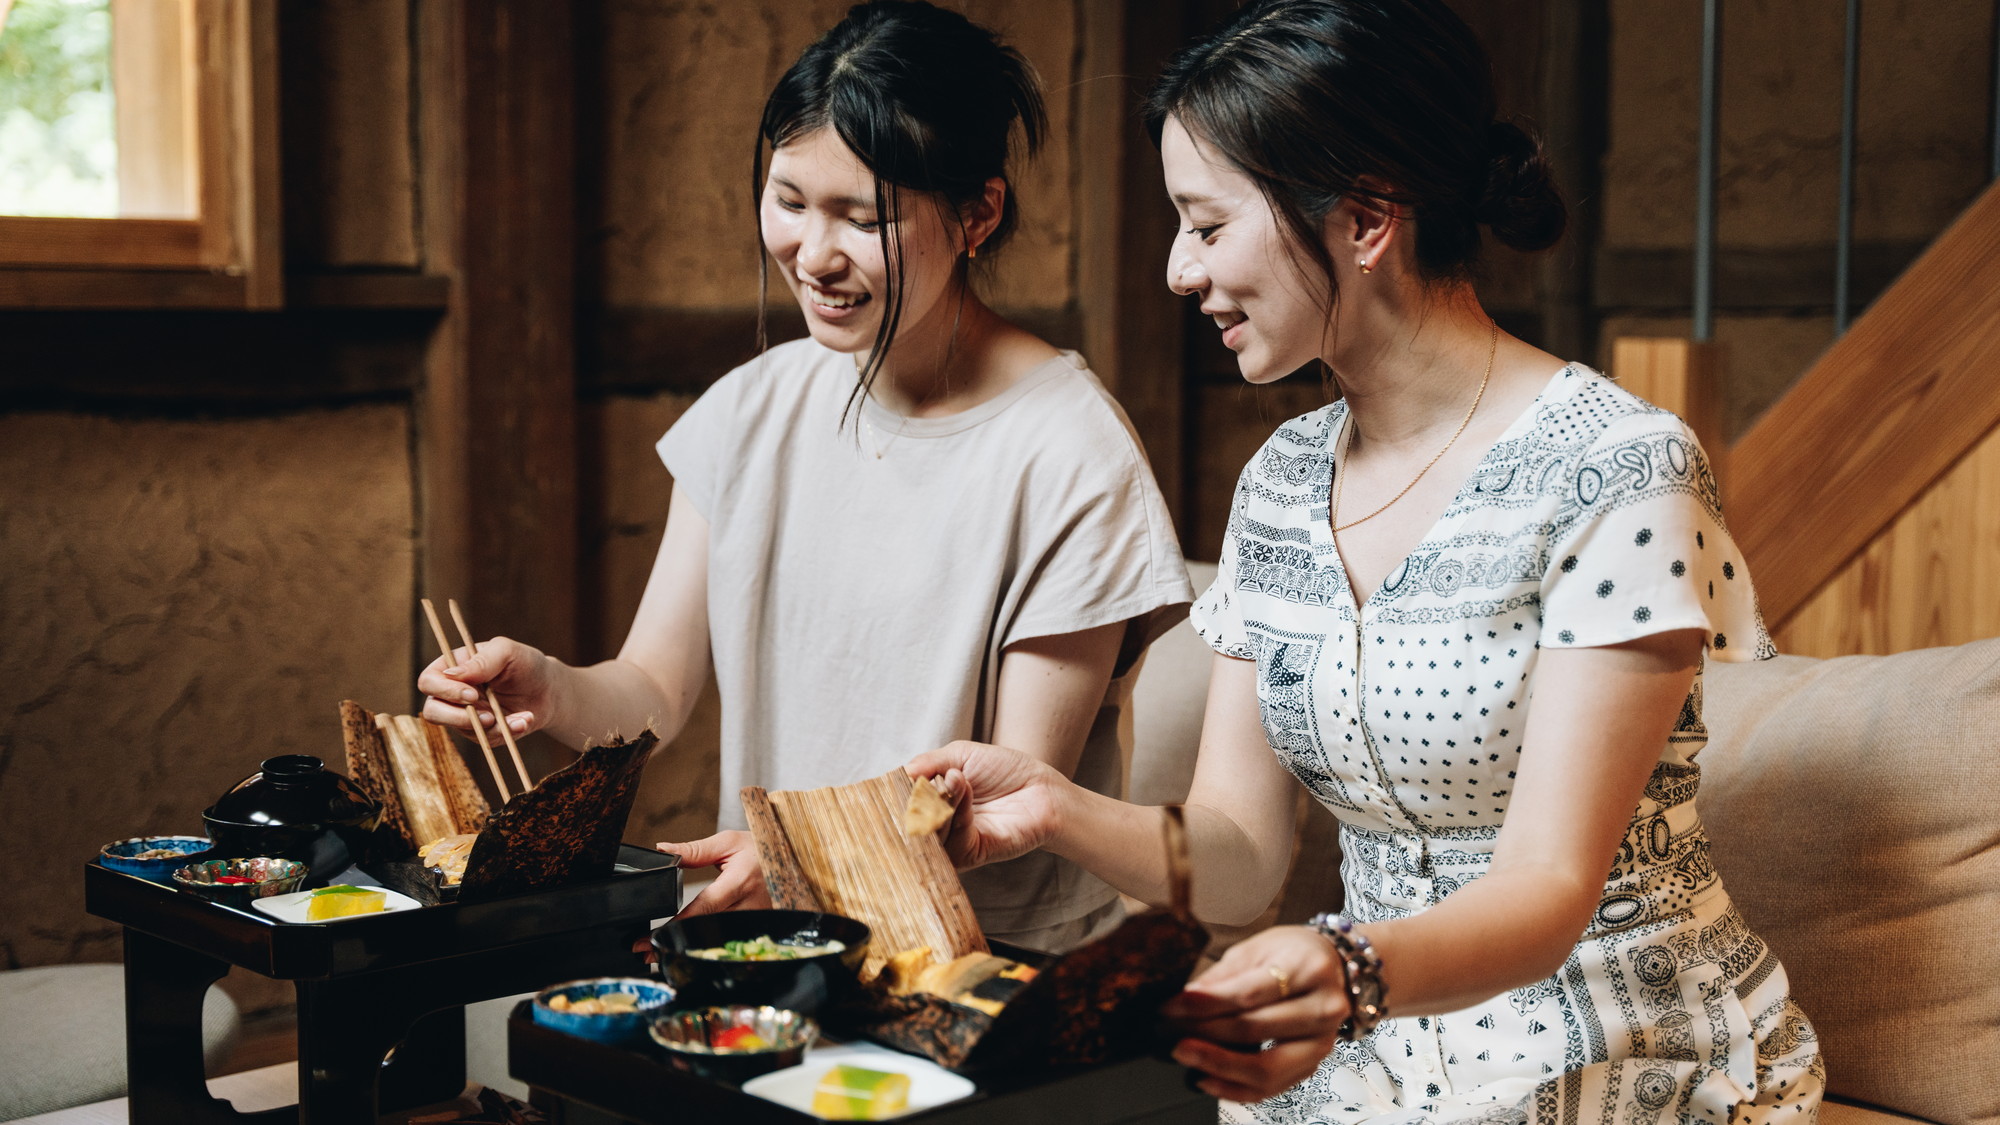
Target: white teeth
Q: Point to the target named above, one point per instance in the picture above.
(836, 300)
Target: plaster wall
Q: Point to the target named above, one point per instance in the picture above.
(183, 599)
(681, 88)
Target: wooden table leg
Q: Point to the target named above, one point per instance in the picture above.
(165, 1079)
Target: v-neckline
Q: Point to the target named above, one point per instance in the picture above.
(1328, 549)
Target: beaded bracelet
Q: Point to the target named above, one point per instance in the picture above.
(1367, 997)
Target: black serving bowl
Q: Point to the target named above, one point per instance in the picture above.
(298, 809)
(688, 1040)
(805, 985)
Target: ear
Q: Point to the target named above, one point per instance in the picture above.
(1361, 233)
(981, 217)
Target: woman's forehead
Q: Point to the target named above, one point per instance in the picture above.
(820, 163)
(1195, 172)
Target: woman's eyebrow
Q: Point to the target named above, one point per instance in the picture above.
(848, 201)
(1189, 198)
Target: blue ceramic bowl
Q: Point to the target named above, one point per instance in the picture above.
(124, 855)
(607, 1027)
(273, 877)
(688, 1038)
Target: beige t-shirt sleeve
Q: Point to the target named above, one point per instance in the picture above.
(695, 447)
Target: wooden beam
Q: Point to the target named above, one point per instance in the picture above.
(1678, 375)
(1883, 414)
(497, 413)
(1131, 324)
(1778, 279)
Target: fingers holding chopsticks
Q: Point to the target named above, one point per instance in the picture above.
(516, 673)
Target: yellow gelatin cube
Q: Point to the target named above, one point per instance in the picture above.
(850, 1093)
(344, 904)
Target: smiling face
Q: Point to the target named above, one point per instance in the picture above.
(820, 227)
(1231, 252)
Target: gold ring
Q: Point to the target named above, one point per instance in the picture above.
(1283, 978)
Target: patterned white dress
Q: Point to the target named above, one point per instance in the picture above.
(1592, 521)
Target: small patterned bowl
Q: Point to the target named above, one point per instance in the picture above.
(693, 1040)
(273, 877)
(124, 856)
(603, 1027)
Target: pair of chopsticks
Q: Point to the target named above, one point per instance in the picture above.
(471, 711)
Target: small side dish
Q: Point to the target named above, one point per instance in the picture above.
(603, 1009)
(853, 1093)
(342, 901)
(240, 882)
(734, 1043)
(152, 857)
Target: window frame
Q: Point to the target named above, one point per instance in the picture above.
(230, 253)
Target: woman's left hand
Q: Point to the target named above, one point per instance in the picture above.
(1284, 987)
(739, 882)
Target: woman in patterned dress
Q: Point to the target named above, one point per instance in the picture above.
(1466, 606)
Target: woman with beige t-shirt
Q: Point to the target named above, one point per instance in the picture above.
(920, 524)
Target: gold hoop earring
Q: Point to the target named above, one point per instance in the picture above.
(972, 251)
(1365, 267)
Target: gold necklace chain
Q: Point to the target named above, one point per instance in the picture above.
(1333, 516)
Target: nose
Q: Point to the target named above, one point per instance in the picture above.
(819, 250)
(1185, 275)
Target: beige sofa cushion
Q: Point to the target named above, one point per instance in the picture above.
(1854, 806)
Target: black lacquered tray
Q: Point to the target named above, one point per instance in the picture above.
(637, 1083)
(645, 885)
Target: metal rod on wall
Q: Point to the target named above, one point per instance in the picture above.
(1704, 199)
(1993, 171)
(1843, 254)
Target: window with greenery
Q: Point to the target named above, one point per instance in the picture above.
(58, 126)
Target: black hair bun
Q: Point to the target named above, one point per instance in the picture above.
(1519, 199)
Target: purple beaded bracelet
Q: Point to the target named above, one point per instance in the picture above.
(1367, 997)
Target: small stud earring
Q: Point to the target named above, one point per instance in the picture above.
(1365, 267)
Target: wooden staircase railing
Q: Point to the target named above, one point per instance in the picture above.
(1912, 388)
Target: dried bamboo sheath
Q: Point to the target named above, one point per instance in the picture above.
(848, 846)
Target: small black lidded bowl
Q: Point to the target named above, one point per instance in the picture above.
(296, 808)
(700, 1040)
(807, 984)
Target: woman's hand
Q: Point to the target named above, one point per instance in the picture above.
(1285, 987)
(738, 885)
(1007, 802)
(520, 675)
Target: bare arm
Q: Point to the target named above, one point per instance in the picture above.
(1050, 691)
(1239, 812)
(1600, 719)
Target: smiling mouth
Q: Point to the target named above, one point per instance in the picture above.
(832, 300)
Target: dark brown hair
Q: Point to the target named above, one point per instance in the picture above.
(928, 101)
(1308, 97)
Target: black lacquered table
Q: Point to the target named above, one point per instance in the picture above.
(381, 998)
(636, 1084)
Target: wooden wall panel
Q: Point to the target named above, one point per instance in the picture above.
(1933, 578)
(350, 160)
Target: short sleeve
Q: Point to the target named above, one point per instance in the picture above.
(1106, 554)
(1215, 615)
(1641, 548)
(694, 446)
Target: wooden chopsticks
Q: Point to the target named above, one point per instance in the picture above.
(499, 716)
(472, 712)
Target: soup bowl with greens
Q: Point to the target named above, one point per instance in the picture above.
(796, 959)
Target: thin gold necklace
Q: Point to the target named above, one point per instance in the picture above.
(1333, 516)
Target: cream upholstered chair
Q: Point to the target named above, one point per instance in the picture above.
(1854, 808)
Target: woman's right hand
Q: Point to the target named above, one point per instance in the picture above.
(521, 676)
(1007, 803)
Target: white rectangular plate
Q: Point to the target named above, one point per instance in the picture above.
(292, 907)
(930, 1084)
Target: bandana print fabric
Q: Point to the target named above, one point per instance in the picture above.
(1592, 521)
